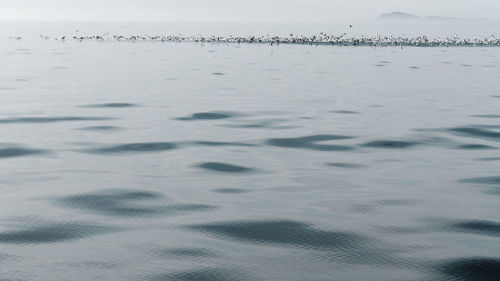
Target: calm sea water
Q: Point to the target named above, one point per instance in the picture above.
(188, 161)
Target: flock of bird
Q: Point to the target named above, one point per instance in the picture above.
(321, 39)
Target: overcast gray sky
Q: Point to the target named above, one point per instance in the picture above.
(240, 10)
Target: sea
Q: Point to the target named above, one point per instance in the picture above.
(190, 161)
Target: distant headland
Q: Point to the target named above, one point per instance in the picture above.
(397, 16)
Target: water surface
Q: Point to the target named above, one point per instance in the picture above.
(192, 161)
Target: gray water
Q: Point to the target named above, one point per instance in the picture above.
(190, 161)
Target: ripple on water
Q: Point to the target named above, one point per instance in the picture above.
(216, 143)
(262, 125)
(207, 116)
(225, 168)
(205, 274)
(477, 132)
(311, 142)
(483, 180)
(345, 165)
(472, 269)
(476, 147)
(345, 112)
(51, 119)
(334, 246)
(391, 144)
(493, 183)
(281, 232)
(478, 227)
(247, 126)
(487, 116)
(131, 148)
(489, 159)
(230, 190)
(126, 203)
(11, 152)
(51, 233)
(112, 105)
(100, 128)
(273, 124)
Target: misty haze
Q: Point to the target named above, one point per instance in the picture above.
(250, 140)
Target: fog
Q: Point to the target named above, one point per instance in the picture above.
(239, 10)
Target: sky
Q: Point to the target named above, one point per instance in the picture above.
(240, 10)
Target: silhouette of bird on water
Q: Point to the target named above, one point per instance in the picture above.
(321, 39)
